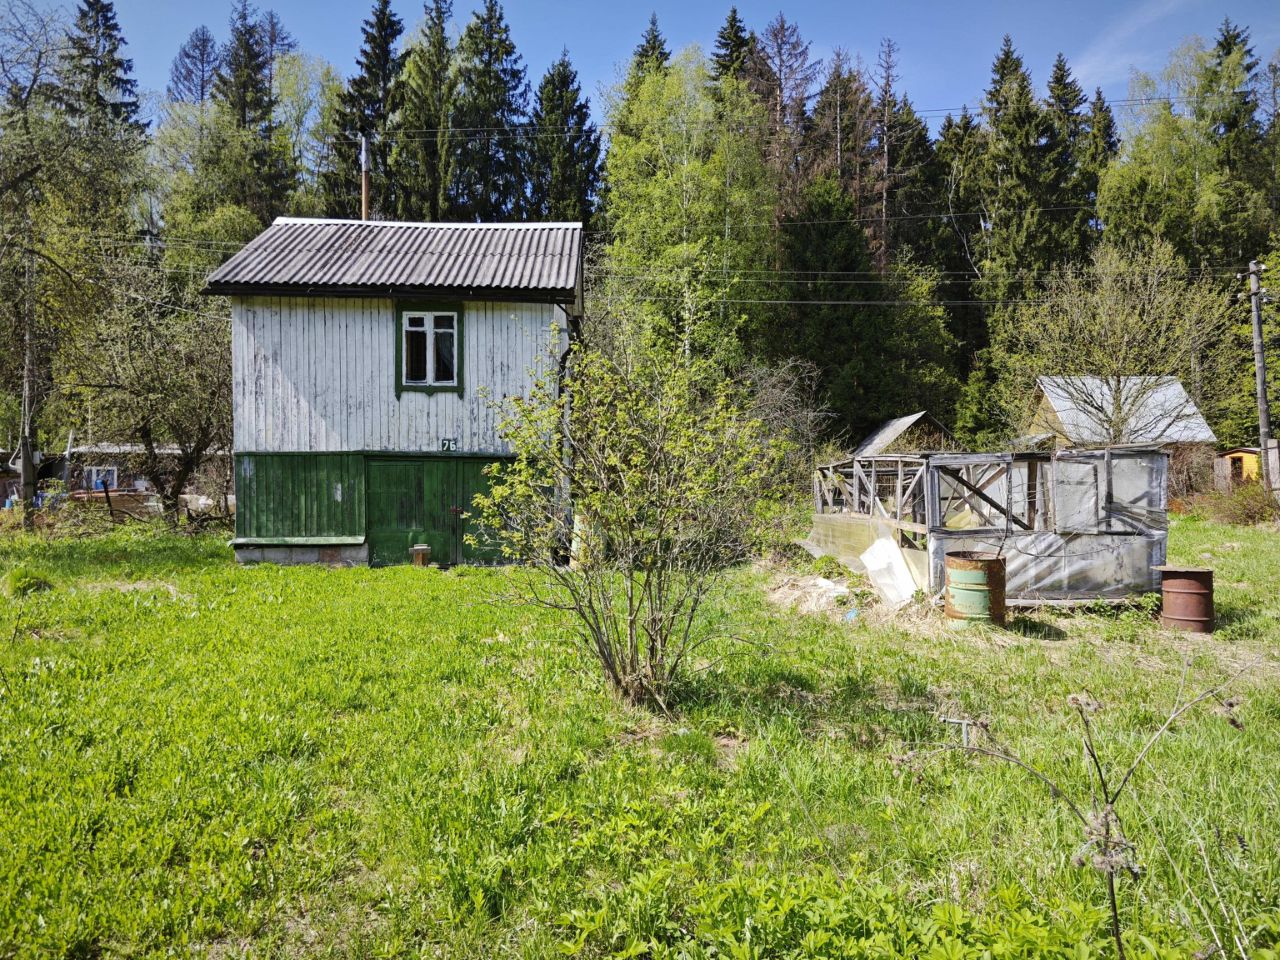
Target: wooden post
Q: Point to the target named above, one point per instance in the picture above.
(898, 496)
(1260, 371)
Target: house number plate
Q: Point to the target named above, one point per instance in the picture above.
(448, 444)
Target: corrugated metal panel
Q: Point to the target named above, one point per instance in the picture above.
(318, 374)
(299, 495)
(883, 437)
(380, 257)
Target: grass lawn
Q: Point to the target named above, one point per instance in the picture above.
(202, 758)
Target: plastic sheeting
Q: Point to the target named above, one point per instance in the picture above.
(1098, 533)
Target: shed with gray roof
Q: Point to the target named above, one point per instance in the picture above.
(363, 353)
(1101, 411)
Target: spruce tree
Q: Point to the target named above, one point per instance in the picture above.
(1066, 216)
(1099, 145)
(277, 41)
(96, 87)
(1014, 245)
(650, 56)
(488, 182)
(905, 169)
(195, 66)
(839, 134)
(1233, 70)
(959, 155)
(651, 52)
(242, 83)
(783, 74)
(564, 148)
(733, 47)
(874, 361)
(104, 148)
(253, 169)
(420, 157)
(366, 108)
(1016, 179)
(914, 186)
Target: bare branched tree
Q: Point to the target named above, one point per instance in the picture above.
(1112, 334)
(630, 493)
(155, 362)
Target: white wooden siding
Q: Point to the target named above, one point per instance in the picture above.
(318, 374)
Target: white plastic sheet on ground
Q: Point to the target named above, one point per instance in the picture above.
(888, 572)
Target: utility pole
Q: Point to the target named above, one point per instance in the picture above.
(364, 177)
(1257, 297)
(27, 475)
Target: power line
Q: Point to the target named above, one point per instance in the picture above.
(431, 134)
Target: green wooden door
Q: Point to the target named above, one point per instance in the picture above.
(397, 514)
(424, 501)
(439, 479)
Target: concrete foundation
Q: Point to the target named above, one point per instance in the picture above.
(347, 555)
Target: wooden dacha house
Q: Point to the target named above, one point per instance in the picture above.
(367, 359)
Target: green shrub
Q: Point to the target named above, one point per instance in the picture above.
(22, 580)
(831, 568)
(1246, 505)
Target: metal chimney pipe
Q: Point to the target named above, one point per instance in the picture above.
(364, 177)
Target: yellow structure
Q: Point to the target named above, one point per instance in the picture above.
(1236, 466)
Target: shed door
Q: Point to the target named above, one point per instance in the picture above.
(397, 511)
(423, 501)
(471, 480)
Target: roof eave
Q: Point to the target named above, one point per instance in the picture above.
(500, 294)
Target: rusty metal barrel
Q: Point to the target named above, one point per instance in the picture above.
(975, 587)
(1186, 598)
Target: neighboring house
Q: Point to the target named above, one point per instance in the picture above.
(368, 357)
(92, 466)
(1096, 412)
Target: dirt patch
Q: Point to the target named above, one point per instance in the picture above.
(729, 744)
(811, 595)
(135, 586)
(641, 733)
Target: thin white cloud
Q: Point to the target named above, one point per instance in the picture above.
(1114, 52)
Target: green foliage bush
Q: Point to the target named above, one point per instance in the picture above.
(1247, 504)
(831, 568)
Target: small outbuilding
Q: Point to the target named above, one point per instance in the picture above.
(1238, 465)
(1094, 412)
(910, 434)
(367, 357)
(1087, 412)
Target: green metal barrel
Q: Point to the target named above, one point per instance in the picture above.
(975, 587)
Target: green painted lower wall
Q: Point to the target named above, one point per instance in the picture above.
(300, 495)
(388, 501)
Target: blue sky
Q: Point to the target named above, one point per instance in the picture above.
(945, 49)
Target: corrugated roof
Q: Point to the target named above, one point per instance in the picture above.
(379, 257)
(1159, 409)
(883, 437)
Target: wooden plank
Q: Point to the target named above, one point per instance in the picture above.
(955, 475)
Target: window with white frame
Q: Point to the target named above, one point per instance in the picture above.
(430, 350)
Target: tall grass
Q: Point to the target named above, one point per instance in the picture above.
(200, 757)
